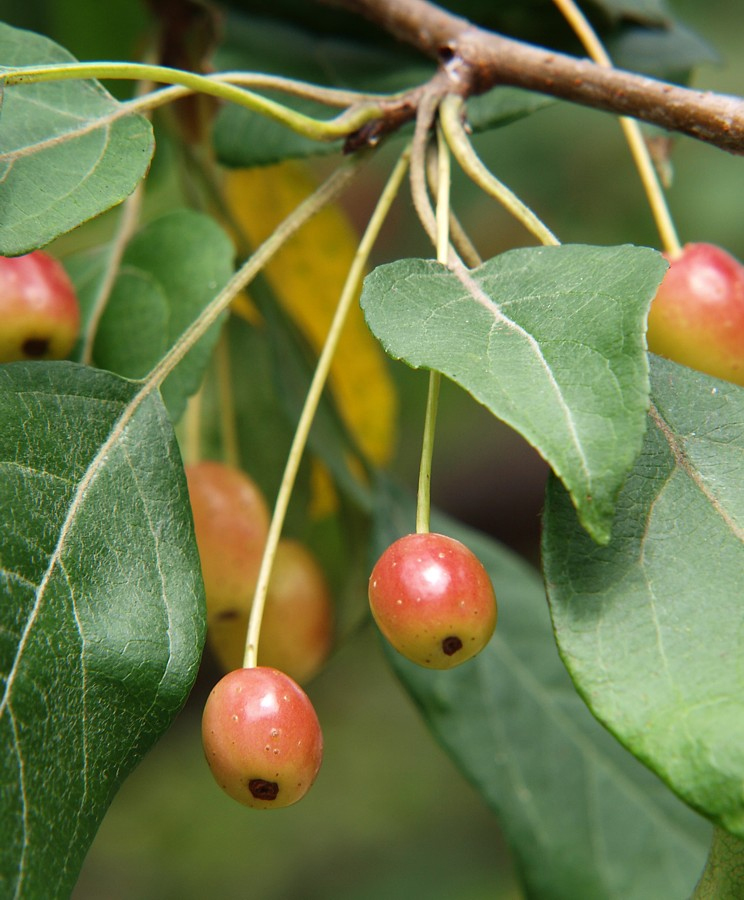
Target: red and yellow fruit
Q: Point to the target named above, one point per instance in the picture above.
(433, 600)
(697, 316)
(261, 738)
(231, 522)
(39, 310)
(297, 625)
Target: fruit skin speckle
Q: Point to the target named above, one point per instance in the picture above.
(262, 738)
(433, 600)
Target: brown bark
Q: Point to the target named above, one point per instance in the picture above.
(477, 60)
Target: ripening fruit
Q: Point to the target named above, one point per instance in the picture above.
(297, 624)
(39, 309)
(261, 738)
(433, 600)
(697, 316)
(231, 522)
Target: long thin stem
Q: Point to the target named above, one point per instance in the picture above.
(340, 97)
(128, 220)
(459, 238)
(327, 191)
(127, 225)
(425, 117)
(228, 430)
(307, 416)
(337, 97)
(423, 495)
(316, 129)
(464, 153)
(633, 135)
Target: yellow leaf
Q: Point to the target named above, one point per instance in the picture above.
(307, 276)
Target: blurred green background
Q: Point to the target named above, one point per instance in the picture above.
(390, 816)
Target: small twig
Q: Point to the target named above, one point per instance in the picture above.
(487, 59)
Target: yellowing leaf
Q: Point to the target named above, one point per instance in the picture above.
(324, 499)
(307, 275)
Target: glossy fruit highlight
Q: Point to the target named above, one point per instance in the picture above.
(231, 522)
(262, 738)
(39, 309)
(697, 316)
(433, 600)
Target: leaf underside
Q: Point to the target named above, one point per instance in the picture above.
(68, 149)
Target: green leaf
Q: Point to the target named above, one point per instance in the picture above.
(669, 52)
(257, 43)
(503, 105)
(650, 626)
(102, 620)
(550, 339)
(243, 138)
(723, 877)
(585, 820)
(171, 269)
(68, 149)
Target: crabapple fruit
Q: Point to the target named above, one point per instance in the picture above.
(261, 737)
(297, 627)
(433, 600)
(231, 522)
(697, 316)
(39, 308)
(297, 624)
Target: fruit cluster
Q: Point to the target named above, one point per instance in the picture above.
(260, 732)
(430, 596)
